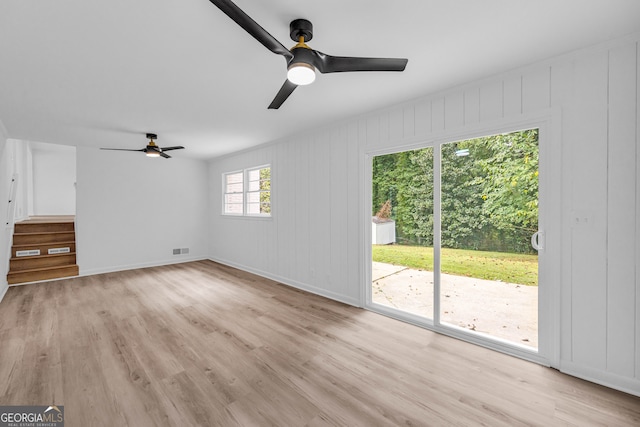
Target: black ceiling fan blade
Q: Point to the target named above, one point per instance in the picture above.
(166, 156)
(123, 149)
(339, 64)
(252, 27)
(282, 95)
(177, 147)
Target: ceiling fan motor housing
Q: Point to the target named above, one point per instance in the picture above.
(300, 27)
(303, 55)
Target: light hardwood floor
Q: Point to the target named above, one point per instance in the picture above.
(203, 344)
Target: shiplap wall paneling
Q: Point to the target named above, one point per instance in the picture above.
(338, 167)
(637, 296)
(586, 136)
(396, 125)
(512, 95)
(422, 118)
(536, 93)
(303, 199)
(491, 101)
(284, 219)
(373, 131)
(409, 116)
(437, 115)
(562, 88)
(454, 110)
(384, 132)
(353, 211)
(621, 257)
(471, 106)
(280, 223)
(320, 194)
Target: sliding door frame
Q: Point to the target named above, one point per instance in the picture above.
(550, 224)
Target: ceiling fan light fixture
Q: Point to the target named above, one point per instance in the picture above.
(301, 73)
(153, 153)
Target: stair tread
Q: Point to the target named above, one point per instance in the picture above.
(33, 270)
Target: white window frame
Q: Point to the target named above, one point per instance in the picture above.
(246, 191)
(225, 193)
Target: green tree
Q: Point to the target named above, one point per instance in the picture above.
(489, 192)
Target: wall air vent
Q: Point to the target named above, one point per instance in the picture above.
(176, 251)
(184, 250)
(30, 252)
(53, 251)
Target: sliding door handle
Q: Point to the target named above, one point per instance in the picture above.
(537, 241)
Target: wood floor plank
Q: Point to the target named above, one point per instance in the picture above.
(204, 344)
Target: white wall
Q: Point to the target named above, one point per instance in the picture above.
(6, 171)
(54, 179)
(315, 240)
(14, 155)
(133, 210)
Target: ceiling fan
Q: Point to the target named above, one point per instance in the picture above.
(302, 61)
(152, 150)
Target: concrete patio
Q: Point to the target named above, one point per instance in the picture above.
(505, 310)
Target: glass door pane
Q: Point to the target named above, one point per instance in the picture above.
(489, 211)
(402, 232)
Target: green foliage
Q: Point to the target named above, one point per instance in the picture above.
(489, 197)
(265, 190)
(507, 267)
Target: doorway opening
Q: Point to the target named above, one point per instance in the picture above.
(464, 216)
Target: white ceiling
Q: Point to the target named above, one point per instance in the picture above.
(103, 73)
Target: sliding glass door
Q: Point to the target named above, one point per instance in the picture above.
(452, 233)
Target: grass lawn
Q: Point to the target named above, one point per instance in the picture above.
(507, 267)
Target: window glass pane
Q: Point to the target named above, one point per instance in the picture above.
(233, 208)
(265, 208)
(253, 197)
(253, 208)
(254, 186)
(234, 188)
(254, 175)
(234, 178)
(233, 198)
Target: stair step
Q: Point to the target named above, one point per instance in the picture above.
(20, 239)
(43, 248)
(42, 274)
(41, 261)
(42, 227)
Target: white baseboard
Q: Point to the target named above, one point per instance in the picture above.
(3, 291)
(607, 379)
(113, 269)
(293, 283)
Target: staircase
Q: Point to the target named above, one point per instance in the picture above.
(43, 248)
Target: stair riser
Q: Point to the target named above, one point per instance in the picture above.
(27, 239)
(34, 276)
(29, 263)
(42, 227)
(44, 249)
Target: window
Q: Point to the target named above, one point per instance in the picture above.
(248, 192)
(233, 193)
